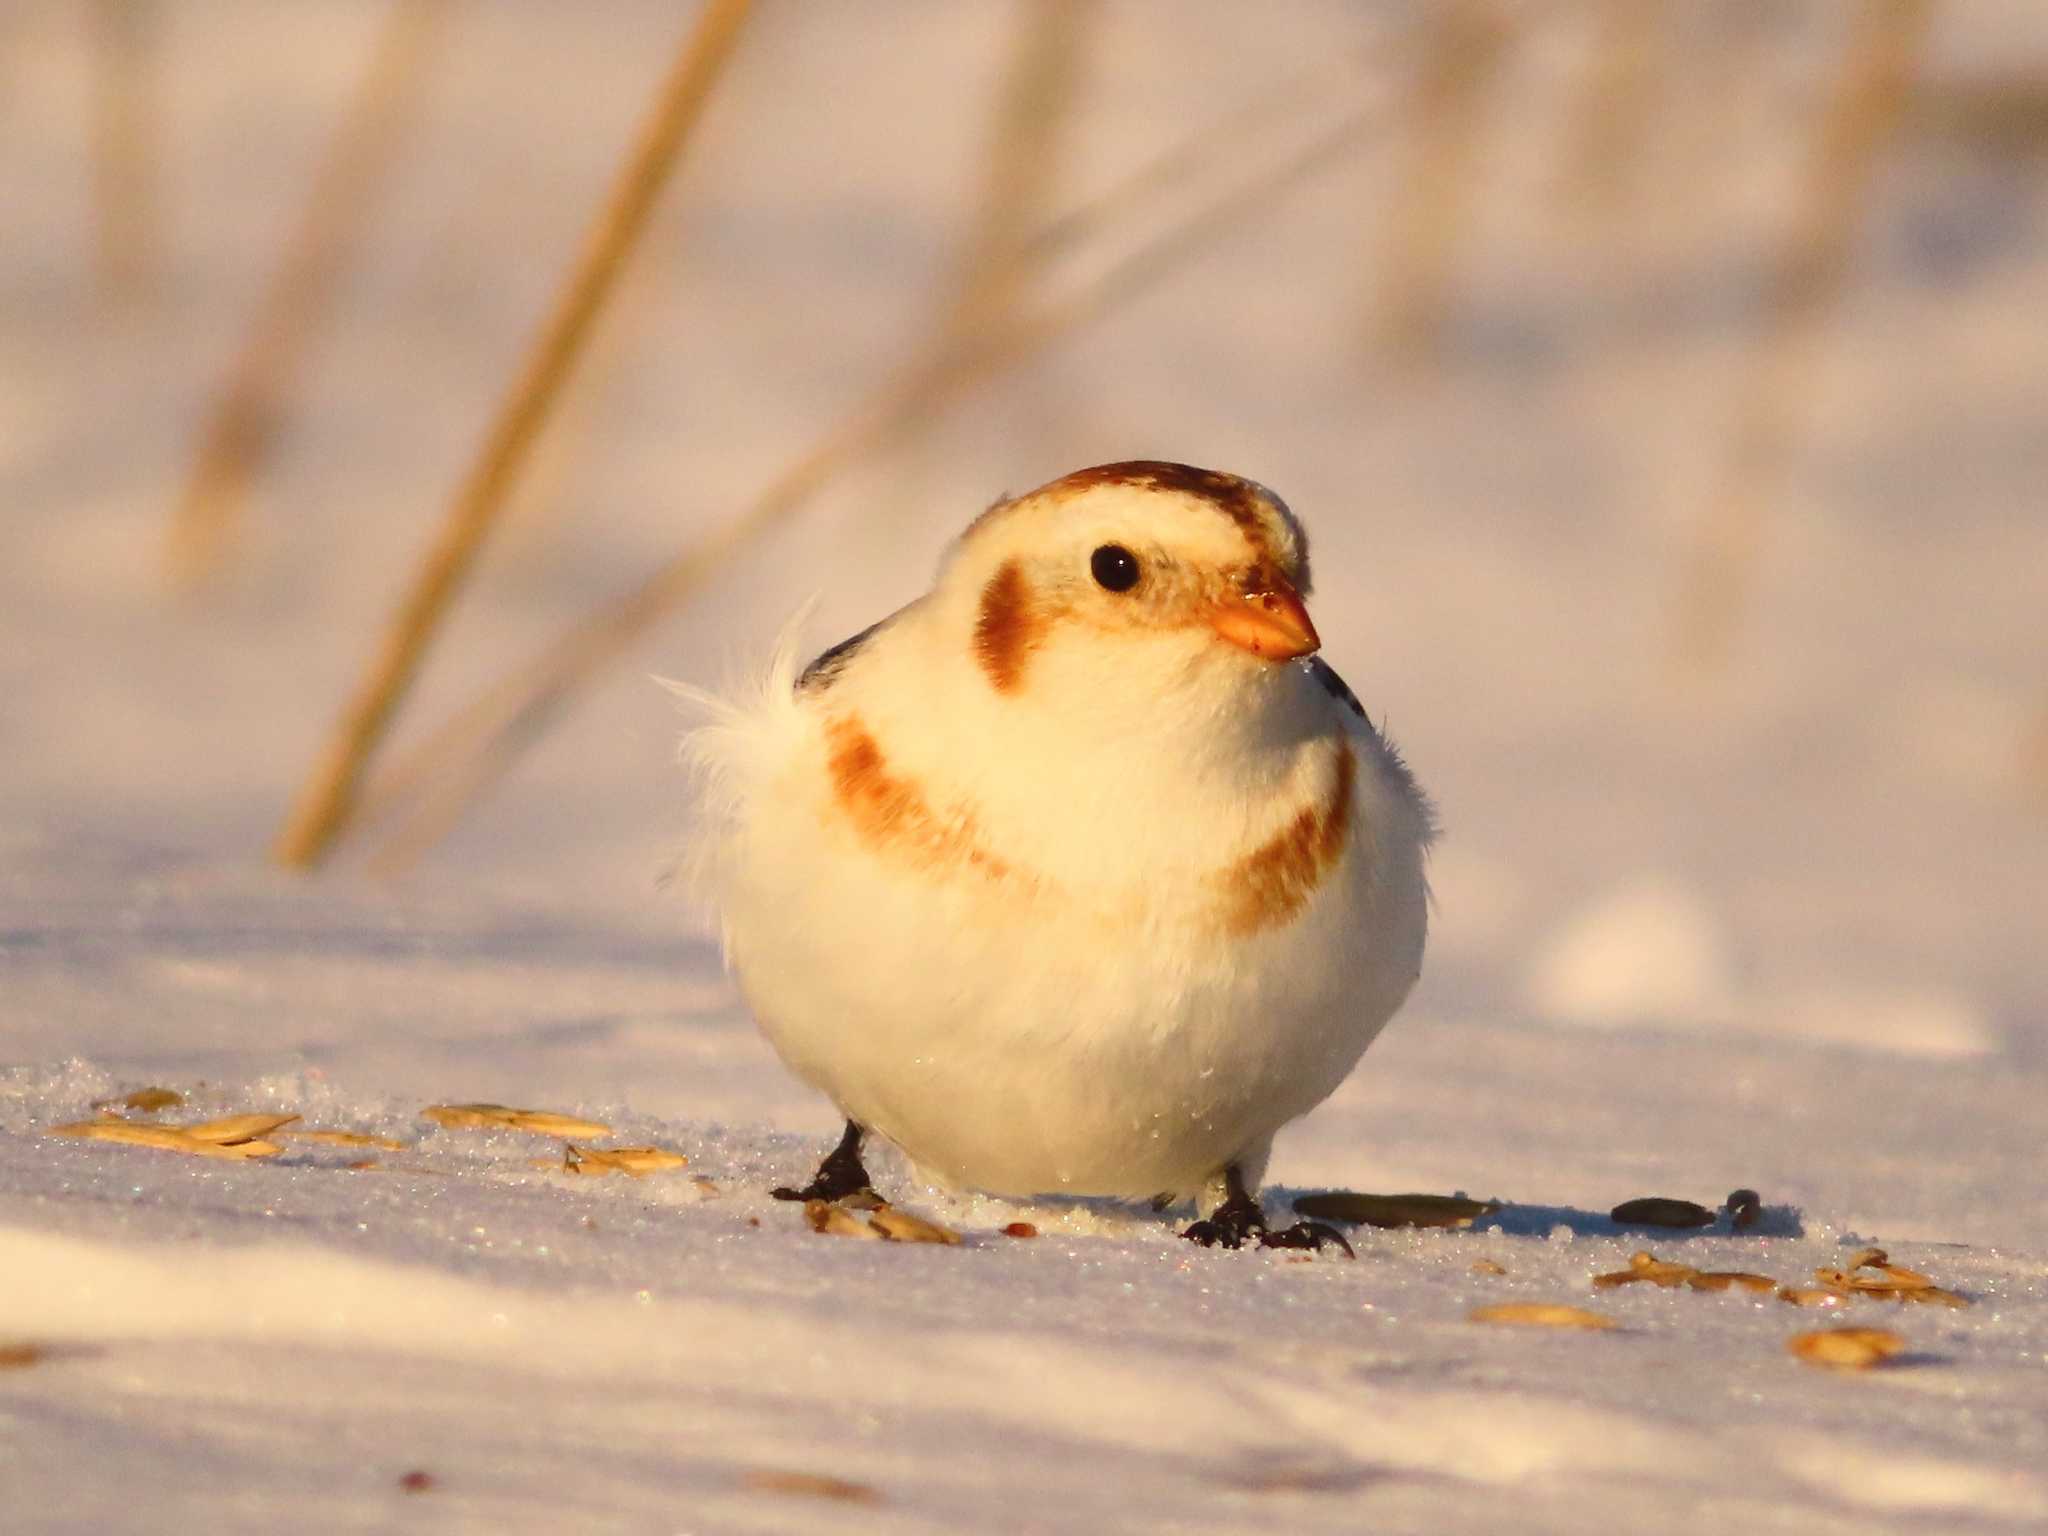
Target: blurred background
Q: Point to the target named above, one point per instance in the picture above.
(1664, 383)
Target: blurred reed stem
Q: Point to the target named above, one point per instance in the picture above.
(1017, 185)
(123, 137)
(328, 799)
(1884, 46)
(474, 749)
(245, 418)
(1462, 46)
(1612, 114)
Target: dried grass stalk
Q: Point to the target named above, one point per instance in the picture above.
(244, 420)
(1611, 121)
(1870, 100)
(461, 759)
(1461, 52)
(328, 799)
(124, 132)
(1035, 103)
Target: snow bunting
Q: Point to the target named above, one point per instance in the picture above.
(1080, 874)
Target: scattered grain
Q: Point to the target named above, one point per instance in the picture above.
(1541, 1314)
(236, 1130)
(497, 1117)
(833, 1221)
(1812, 1296)
(345, 1139)
(1854, 1349)
(1731, 1279)
(165, 1138)
(901, 1226)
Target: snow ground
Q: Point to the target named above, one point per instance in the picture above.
(1779, 930)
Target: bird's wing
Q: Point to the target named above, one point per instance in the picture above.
(820, 674)
(1385, 755)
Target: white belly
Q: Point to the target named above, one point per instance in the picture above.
(1034, 1047)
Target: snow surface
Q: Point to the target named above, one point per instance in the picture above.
(1779, 928)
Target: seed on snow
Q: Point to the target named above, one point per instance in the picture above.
(1854, 1349)
(1541, 1314)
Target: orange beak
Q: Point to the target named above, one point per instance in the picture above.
(1273, 624)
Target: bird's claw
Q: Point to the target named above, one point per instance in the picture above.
(841, 1178)
(1235, 1222)
(1313, 1235)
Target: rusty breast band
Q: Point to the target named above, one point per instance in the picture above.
(894, 818)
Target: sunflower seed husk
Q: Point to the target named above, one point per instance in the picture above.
(1660, 1211)
(1541, 1314)
(1854, 1349)
(901, 1226)
(833, 1221)
(164, 1137)
(233, 1130)
(1394, 1210)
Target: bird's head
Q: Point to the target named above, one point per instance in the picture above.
(1141, 576)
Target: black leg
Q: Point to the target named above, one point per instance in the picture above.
(1239, 1218)
(841, 1174)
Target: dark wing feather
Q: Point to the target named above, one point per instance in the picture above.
(1385, 754)
(820, 673)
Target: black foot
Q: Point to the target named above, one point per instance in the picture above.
(1239, 1218)
(840, 1177)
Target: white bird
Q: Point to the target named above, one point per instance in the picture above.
(1077, 875)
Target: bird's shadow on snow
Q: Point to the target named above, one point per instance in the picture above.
(1528, 1219)
(1519, 1220)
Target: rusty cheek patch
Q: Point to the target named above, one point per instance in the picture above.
(1007, 629)
(891, 813)
(1273, 882)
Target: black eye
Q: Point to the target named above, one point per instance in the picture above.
(1114, 567)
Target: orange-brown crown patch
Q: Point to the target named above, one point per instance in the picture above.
(1275, 880)
(890, 811)
(1007, 628)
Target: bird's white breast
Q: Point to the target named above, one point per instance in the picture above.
(1031, 960)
